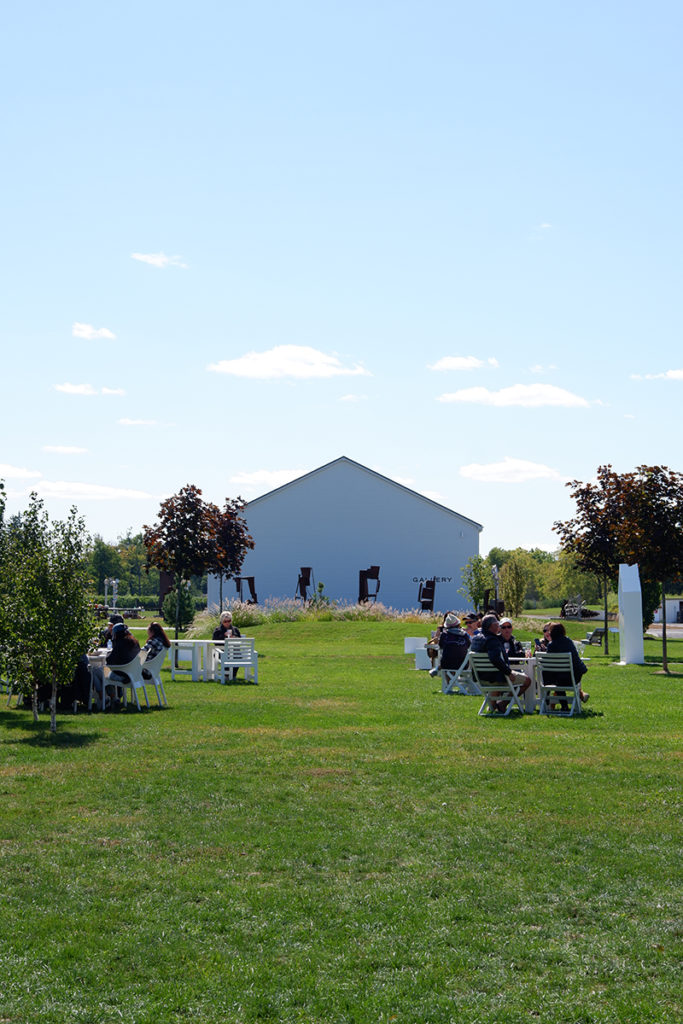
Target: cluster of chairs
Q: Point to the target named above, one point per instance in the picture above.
(559, 691)
(134, 681)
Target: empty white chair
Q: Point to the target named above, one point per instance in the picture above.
(557, 685)
(495, 690)
(153, 666)
(238, 652)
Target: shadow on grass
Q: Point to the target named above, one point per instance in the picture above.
(40, 735)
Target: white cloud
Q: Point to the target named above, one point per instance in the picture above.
(63, 449)
(545, 225)
(158, 259)
(91, 333)
(539, 368)
(460, 363)
(72, 491)
(353, 398)
(629, 416)
(526, 395)
(262, 480)
(125, 422)
(299, 361)
(8, 472)
(509, 471)
(667, 375)
(87, 389)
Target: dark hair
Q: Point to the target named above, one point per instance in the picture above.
(114, 618)
(557, 630)
(158, 631)
(488, 621)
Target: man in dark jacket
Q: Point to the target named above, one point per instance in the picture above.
(490, 642)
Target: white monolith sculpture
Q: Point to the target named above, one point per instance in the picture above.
(630, 617)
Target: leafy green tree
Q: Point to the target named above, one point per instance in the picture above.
(477, 579)
(105, 562)
(47, 618)
(514, 580)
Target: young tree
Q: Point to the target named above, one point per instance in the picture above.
(476, 578)
(47, 618)
(514, 580)
(232, 542)
(651, 529)
(105, 562)
(593, 534)
(183, 541)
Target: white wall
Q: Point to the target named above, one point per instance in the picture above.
(343, 518)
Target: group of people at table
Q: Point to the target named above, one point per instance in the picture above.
(490, 635)
(122, 647)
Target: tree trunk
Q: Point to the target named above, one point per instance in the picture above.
(665, 660)
(604, 591)
(220, 591)
(53, 705)
(178, 584)
(34, 702)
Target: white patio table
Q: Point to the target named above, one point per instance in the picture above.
(200, 657)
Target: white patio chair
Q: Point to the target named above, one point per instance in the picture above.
(460, 679)
(494, 691)
(133, 680)
(153, 666)
(238, 652)
(557, 685)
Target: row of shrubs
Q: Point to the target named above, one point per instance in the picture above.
(289, 610)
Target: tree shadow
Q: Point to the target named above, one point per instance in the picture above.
(40, 735)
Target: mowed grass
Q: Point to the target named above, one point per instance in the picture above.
(344, 844)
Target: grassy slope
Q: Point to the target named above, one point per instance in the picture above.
(344, 844)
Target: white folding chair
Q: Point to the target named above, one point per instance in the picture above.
(494, 690)
(238, 652)
(153, 666)
(459, 679)
(557, 685)
(133, 679)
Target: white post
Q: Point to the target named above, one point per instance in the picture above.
(630, 617)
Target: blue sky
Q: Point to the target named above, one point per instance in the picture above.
(442, 239)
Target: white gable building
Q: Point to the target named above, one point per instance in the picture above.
(343, 518)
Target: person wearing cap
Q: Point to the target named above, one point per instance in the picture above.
(490, 642)
(124, 647)
(512, 647)
(471, 624)
(454, 644)
(105, 636)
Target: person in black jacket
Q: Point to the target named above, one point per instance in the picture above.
(453, 642)
(561, 644)
(490, 642)
(224, 631)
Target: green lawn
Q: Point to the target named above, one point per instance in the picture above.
(344, 844)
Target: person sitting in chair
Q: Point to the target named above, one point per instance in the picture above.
(156, 641)
(513, 648)
(561, 644)
(490, 642)
(124, 647)
(223, 632)
(454, 644)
